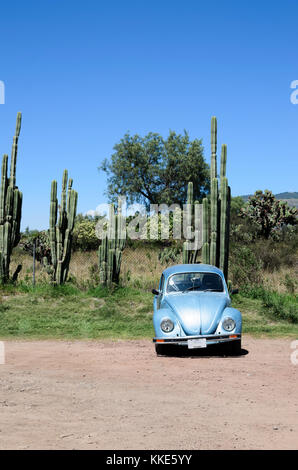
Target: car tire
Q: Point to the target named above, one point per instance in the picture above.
(233, 348)
(162, 349)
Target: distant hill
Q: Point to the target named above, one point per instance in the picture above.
(291, 198)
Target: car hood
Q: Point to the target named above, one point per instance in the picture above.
(198, 312)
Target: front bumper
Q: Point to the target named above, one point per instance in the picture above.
(210, 339)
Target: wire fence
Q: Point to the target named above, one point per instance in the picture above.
(140, 265)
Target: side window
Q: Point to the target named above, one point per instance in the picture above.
(162, 283)
(161, 288)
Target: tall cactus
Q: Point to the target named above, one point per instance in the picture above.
(10, 208)
(220, 207)
(60, 233)
(216, 214)
(111, 248)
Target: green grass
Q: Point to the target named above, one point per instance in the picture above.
(259, 320)
(275, 305)
(68, 312)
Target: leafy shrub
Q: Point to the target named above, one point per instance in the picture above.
(290, 284)
(84, 236)
(281, 306)
(241, 230)
(245, 268)
(269, 255)
(245, 233)
(275, 254)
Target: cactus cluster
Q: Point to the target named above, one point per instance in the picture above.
(215, 248)
(267, 214)
(111, 248)
(10, 209)
(61, 228)
(216, 213)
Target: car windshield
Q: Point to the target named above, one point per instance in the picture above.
(187, 282)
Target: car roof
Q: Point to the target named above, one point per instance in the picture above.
(191, 268)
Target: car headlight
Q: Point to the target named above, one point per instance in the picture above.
(167, 325)
(228, 324)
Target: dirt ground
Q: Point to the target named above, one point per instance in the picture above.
(119, 395)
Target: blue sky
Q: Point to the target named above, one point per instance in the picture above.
(84, 73)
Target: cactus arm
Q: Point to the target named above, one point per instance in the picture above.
(70, 182)
(213, 147)
(227, 247)
(64, 191)
(213, 222)
(223, 222)
(53, 221)
(223, 161)
(205, 248)
(3, 188)
(14, 151)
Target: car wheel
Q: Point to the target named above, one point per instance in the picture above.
(233, 348)
(162, 349)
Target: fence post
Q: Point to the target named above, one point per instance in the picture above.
(34, 247)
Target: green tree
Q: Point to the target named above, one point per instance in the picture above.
(268, 213)
(154, 170)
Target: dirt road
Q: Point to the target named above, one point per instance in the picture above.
(119, 395)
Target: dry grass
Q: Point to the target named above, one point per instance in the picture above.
(26, 274)
(277, 280)
(140, 265)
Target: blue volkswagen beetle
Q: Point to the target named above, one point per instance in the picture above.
(192, 308)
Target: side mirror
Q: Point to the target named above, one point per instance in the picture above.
(155, 292)
(235, 291)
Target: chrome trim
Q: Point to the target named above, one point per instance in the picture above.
(210, 339)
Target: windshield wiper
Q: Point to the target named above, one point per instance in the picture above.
(190, 288)
(201, 290)
(211, 290)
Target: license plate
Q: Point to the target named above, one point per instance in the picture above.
(196, 343)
